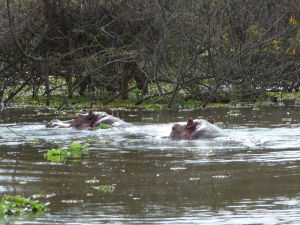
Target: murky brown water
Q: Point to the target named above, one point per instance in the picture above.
(252, 176)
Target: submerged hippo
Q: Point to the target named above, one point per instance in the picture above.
(196, 129)
(88, 120)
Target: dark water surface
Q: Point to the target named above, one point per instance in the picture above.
(251, 176)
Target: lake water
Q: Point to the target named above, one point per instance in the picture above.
(250, 176)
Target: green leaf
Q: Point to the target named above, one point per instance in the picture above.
(18, 205)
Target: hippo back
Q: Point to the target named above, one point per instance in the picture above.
(112, 120)
(205, 129)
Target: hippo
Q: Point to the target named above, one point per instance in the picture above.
(88, 120)
(196, 129)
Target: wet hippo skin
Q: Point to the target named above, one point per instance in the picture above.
(195, 129)
(88, 120)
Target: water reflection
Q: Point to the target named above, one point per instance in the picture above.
(251, 176)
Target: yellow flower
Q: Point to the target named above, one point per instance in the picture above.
(293, 21)
(294, 51)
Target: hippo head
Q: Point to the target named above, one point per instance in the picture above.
(211, 119)
(183, 131)
(83, 121)
(177, 130)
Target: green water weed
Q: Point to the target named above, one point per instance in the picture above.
(18, 205)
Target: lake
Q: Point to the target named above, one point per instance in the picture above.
(137, 175)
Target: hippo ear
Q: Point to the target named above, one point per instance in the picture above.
(109, 112)
(190, 122)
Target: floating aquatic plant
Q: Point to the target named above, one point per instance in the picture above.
(72, 153)
(18, 205)
(101, 126)
(106, 188)
(34, 141)
(98, 140)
